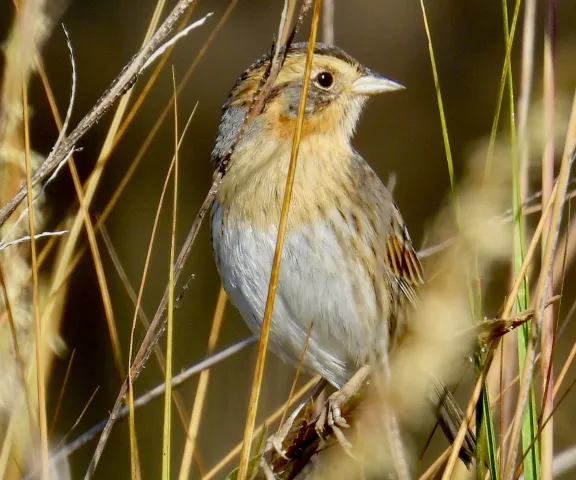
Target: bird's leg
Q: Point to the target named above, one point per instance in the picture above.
(331, 415)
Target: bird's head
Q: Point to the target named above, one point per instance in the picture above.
(339, 87)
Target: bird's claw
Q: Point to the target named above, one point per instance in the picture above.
(331, 418)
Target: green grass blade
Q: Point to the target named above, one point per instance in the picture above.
(530, 419)
(166, 434)
(485, 426)
(487, 446)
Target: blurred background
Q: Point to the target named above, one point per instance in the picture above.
(399, 135)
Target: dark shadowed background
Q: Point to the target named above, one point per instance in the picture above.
(399, 134)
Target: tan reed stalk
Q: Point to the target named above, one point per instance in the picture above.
(548, 327)
(263, 345)
(202, 389)
(26, 342)
(271, 419)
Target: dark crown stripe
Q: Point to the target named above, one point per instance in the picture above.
(295, 49)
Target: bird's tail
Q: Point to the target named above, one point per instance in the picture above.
(450, 417)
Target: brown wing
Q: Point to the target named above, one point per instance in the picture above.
(401, 258)
(401, 261)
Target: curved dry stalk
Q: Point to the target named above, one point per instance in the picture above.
(167, 426)
(543, 284)
(67, 250)
(265, 332)
(145, 322)
(271, 419)
(548, 327)
(73, 262)
(119, 87)
(40, 370)
(156, 327)
(62, 126)
(506, 311)
(202, 389)
(156, 392)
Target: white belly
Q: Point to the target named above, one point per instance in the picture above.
(318, 283)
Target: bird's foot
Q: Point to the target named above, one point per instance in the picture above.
(331, 418)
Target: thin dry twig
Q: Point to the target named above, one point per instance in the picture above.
(548, 324)
(202, 389)
(176, 397)
(543, 283)
(157, 325)
(27, 238)
(266, 321)
(163, 48)
(328, 22)
(82, 413)
(112, 137)
(40, 370)
(61, 394)
(271, 419)
(124, 82)
(154, 393)
(506, 310)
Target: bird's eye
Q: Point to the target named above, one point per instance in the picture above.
(325, 79)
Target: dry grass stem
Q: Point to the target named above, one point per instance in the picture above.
(39, 340)
(119, 87)
(328, 22)
(263, 345)
(155, 331)
(548, 327)
(26, 342)
(543, 284)
(154, 393)
(202, 389)
(513, 403)
(271, 419)
(179, 404)
(167, 430)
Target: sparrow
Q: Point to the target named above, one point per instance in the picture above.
(349, 272)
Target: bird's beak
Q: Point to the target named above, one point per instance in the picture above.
(374, 84)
